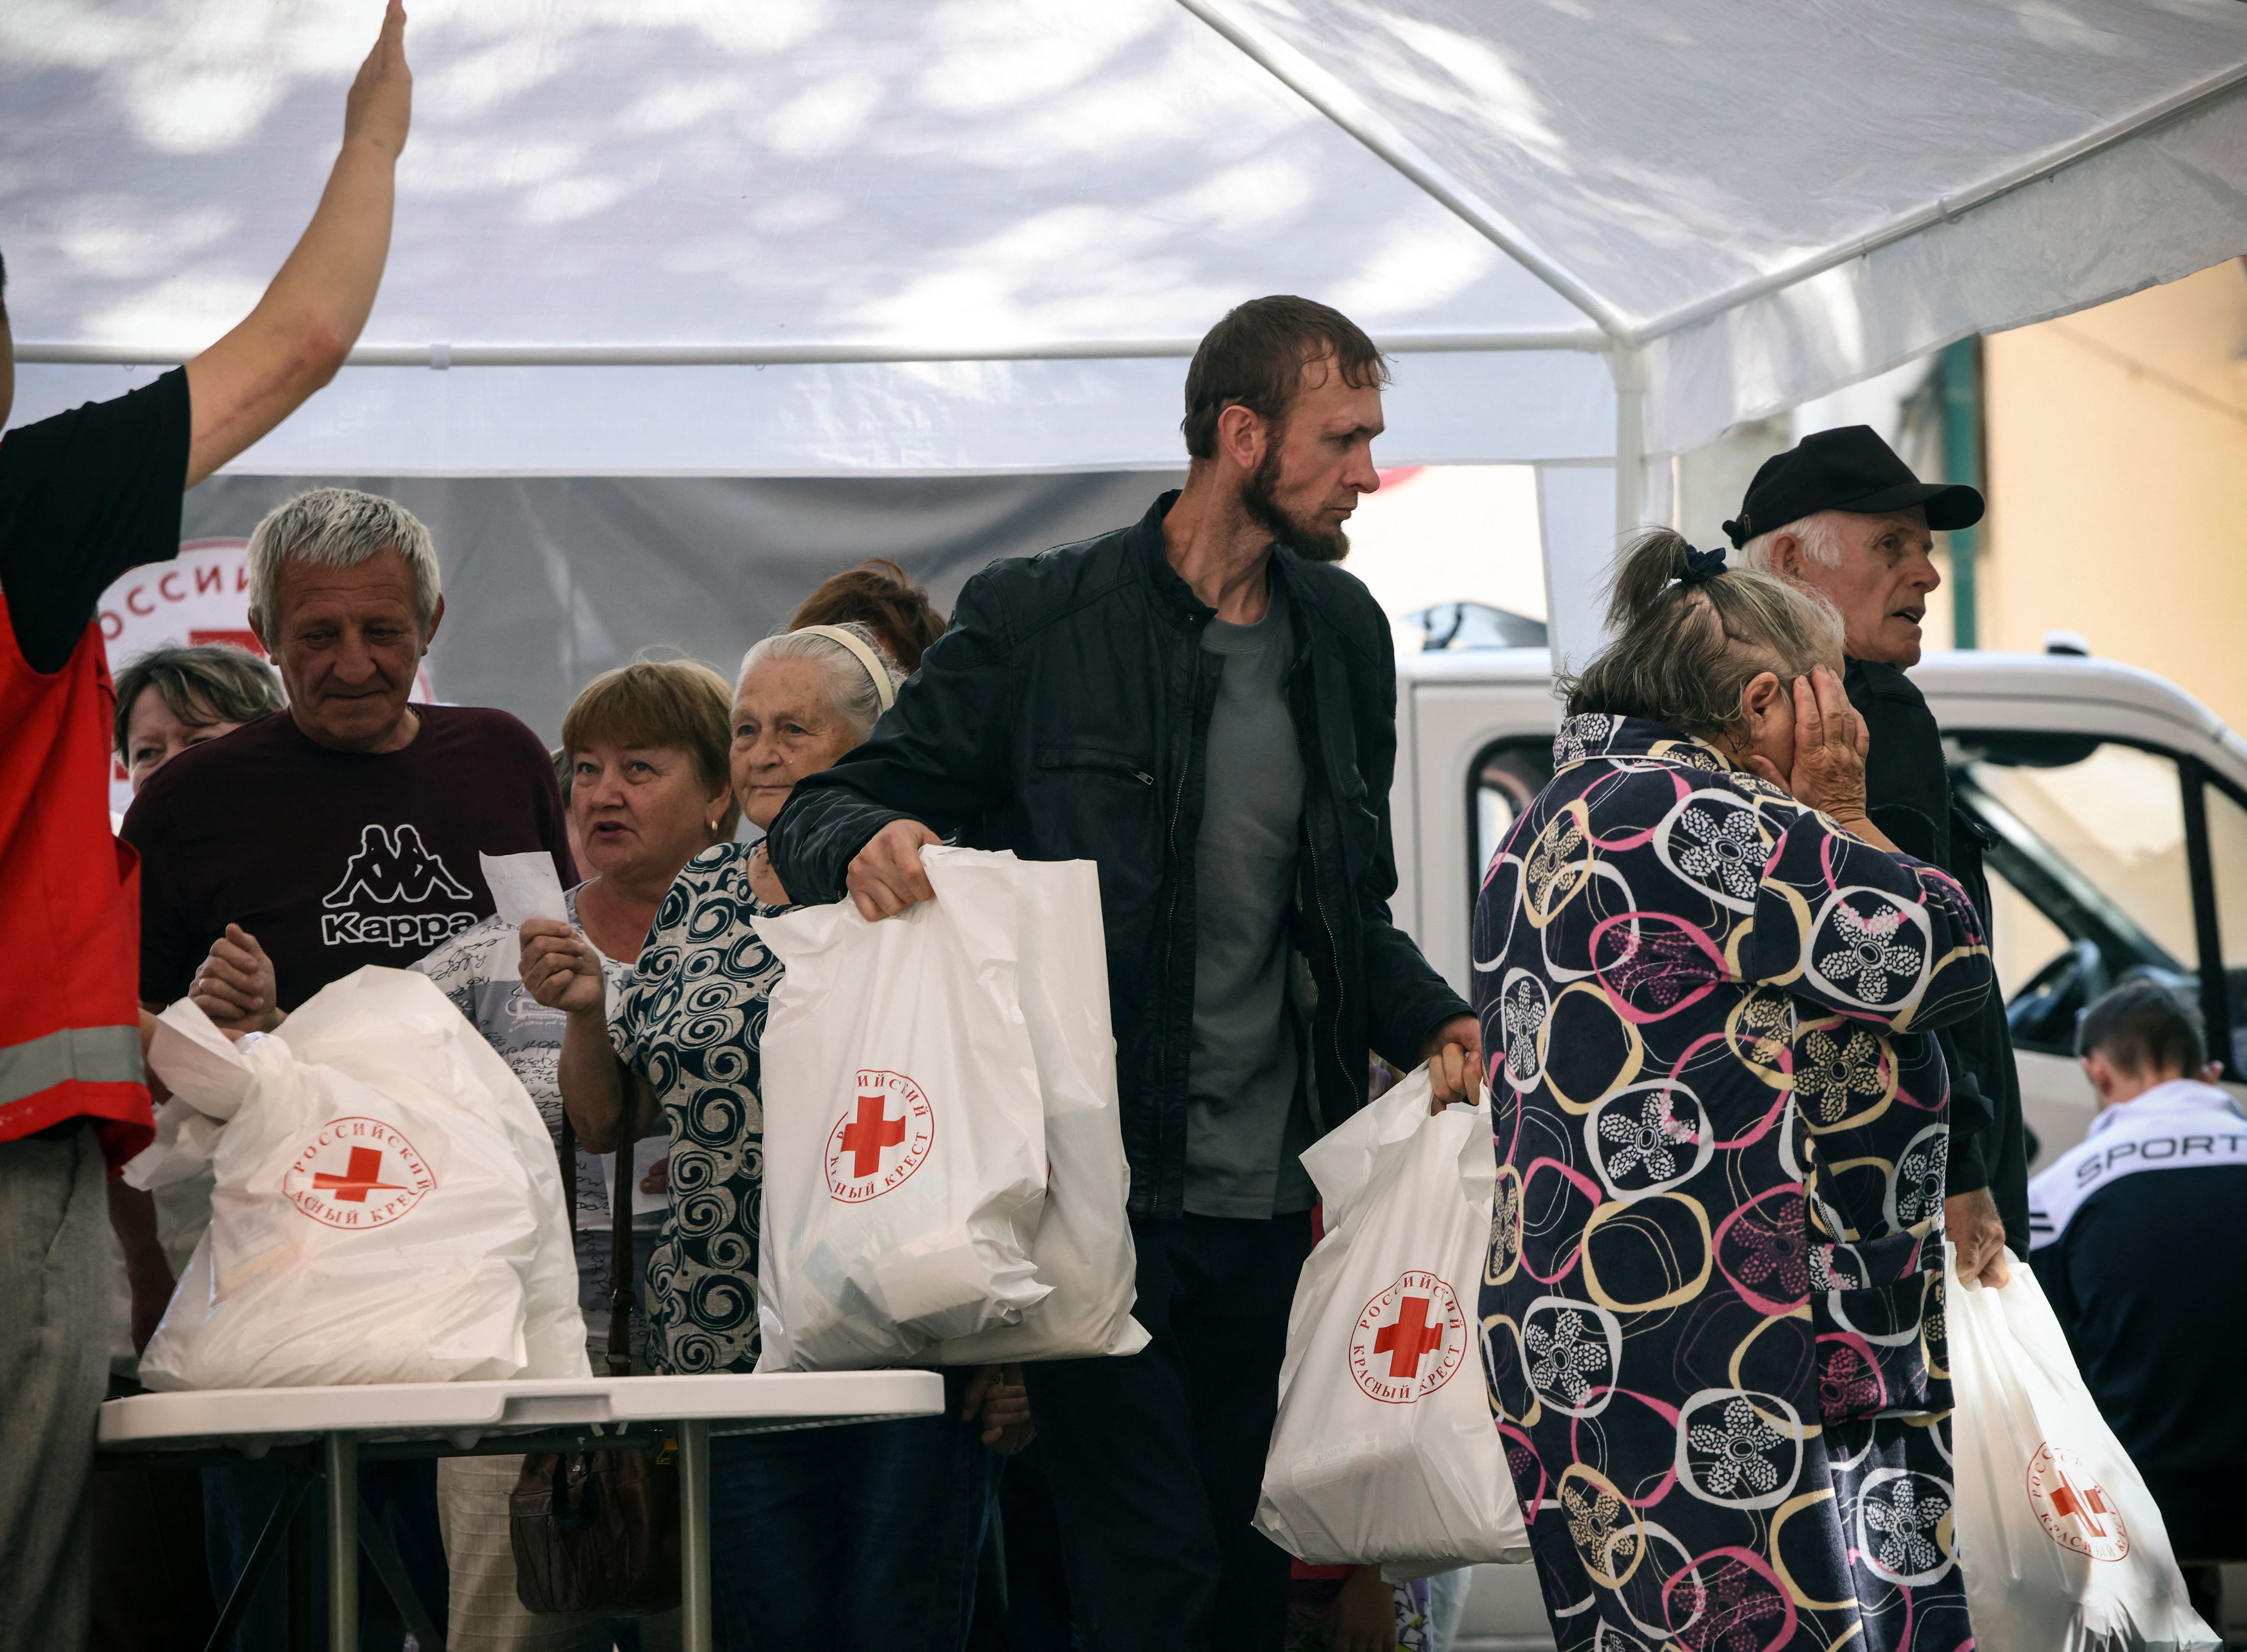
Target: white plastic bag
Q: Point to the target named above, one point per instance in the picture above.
(386, 1206)
(904, 1164)
(1385, 1448)
(2061, 1544)
(1083, 1247)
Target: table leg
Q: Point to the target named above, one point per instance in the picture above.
(339, 1464)
(695, 1537)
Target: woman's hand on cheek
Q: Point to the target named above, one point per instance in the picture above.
(1829, 748)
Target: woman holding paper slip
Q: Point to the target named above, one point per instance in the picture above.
(853, 1536)
(1712, 1306)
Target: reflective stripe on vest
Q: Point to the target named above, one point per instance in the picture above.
(90, 1054)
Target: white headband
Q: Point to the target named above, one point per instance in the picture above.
(867, 658)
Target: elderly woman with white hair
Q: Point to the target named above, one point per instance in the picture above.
(864, 1536)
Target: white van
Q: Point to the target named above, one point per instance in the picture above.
(2116, 803)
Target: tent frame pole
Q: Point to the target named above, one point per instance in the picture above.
(444, 356)
(1628, 367)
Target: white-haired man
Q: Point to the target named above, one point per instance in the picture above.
(1840, 513)
(85, 495)
(341, 831)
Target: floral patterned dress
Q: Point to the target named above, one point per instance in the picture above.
(1712, 1309)
(690, 1025)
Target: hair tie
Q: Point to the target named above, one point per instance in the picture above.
(1701, 566)
(867, 658)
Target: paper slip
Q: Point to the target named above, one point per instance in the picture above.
(524, 886)
(646, 1156)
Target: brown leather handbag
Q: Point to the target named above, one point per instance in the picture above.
(598, 1531)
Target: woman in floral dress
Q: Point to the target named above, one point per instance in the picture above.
(861, 1537)
(1712, 1309)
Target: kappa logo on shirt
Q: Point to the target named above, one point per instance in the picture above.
(393, 869)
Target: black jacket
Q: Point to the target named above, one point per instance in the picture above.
(1908, 794)
(1065, 715)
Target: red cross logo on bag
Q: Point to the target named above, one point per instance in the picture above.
(885, 1134)
(1409, 1339)
(2075, 1508)
(356, 1173)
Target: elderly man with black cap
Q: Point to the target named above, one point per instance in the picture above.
(1839, 512)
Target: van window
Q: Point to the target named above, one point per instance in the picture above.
(2022, 939)
(2227, 855)
(1503, 779)
(2089, 835)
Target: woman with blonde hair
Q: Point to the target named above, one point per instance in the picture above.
(1712, 1307)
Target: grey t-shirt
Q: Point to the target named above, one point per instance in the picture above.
(1244, 1124)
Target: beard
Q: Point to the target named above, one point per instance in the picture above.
(1261, 500)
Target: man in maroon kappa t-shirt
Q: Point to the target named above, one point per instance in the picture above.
(339, 832)
(343, 831)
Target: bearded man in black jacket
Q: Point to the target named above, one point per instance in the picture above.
(1840, 513)
(1205, 705)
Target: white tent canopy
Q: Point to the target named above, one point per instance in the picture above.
(695, 236)
(821, 236)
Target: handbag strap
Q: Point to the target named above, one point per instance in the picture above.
(620, 1259)
(566, 1151)
(620, 1241)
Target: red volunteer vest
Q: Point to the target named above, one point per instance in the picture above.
(70, 907)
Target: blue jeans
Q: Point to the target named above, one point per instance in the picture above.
(861, 1539)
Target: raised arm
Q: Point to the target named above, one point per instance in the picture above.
(296, 337)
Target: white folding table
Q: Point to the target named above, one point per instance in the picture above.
(452, 1419)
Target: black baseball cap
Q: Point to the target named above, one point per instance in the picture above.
(1850, 468)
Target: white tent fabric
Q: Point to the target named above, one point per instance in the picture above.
(821, 186)
(809, 420)
(1774, 199)
(824, 236)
